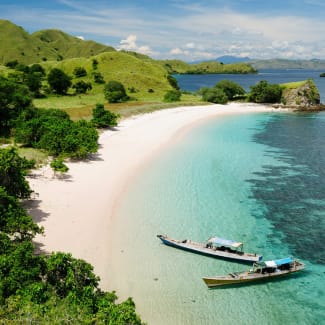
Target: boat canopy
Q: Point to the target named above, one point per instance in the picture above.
(224, 242)
(276, 263)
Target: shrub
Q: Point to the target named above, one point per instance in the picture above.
(263, 92)
(102, 118)
(98, 78)
(230, 88)
(79, 72)
(114, 92)
(59, 81)
(214, 95)
(81, 87)
(172, 96)
(173, 82)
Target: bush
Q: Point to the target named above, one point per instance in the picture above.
(230, 88)
(102, 118)
(79, 72)
(265, 93)
(172, 96)
(98, 78)
(173, 82)
(114, 92)
(81, 87)
(59, 81)
(214, 95)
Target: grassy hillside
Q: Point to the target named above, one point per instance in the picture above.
(17, 44)
(177, 66)
(288, 64)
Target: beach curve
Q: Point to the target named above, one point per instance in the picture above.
(77, 210)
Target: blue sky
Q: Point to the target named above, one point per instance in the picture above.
(187, 30)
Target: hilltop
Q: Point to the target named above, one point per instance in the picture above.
(314, 64)
(44, 45)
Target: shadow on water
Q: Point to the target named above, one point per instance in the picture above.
(293, 191)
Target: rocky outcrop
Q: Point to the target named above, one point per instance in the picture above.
(305, 96)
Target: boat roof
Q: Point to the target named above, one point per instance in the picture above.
(275, 263)
(224, 242)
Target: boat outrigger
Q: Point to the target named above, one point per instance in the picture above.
(214, 247)
(261, 271)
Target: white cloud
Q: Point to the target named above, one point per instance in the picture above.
(130, 44)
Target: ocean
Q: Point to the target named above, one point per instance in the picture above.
(258, 178)
(275, 76)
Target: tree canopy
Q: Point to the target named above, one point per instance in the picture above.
(115, 92)
(59, 81)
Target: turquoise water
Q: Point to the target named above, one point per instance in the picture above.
(227, 178)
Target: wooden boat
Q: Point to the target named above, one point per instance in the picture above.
(261, 271)
(214, 247)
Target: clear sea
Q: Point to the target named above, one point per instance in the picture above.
(277, 76)
(257, 178)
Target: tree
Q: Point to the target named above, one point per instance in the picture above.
(59, 81)
(81, 87)
(53, 131)
(79, 72)
(14, 98)
(172, 96)
(102, 118)
(214, 95)
(98, 78)
(114, 92)
(173, 82)
(37, 68)
(14, 220)
(13, 170)
(263, 92)
(230, 88)
(34, 83)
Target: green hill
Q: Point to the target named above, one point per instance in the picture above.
(17, 44)
(178, 66)
(314, 64)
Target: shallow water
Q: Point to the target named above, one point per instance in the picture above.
(256, 178)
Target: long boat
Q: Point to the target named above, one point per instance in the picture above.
(214, 247)
(261, 271)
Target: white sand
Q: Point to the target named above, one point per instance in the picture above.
(76, 212)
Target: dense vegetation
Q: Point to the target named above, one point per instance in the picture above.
(54, 289)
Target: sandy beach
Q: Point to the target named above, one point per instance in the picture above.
(77, 210)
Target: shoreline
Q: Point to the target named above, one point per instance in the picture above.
(77, 210)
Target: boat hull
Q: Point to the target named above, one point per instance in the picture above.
(247, 277)
(199, 248)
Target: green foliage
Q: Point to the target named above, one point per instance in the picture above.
(11, 64)
(172, 96)
(58, 165)
(102, 118)
(34, 83)
(14, 220)
(53, 131)
(114, 92)
(79, 72)
(230, 88)
(263, 92)
(81, 87)
(19, 267)
(37, 68)
(14, 98)
(173, 82)
(59, 81)
(13, 170)
(214, 95)
(98, 78)
(70, 277)
(322, 74)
